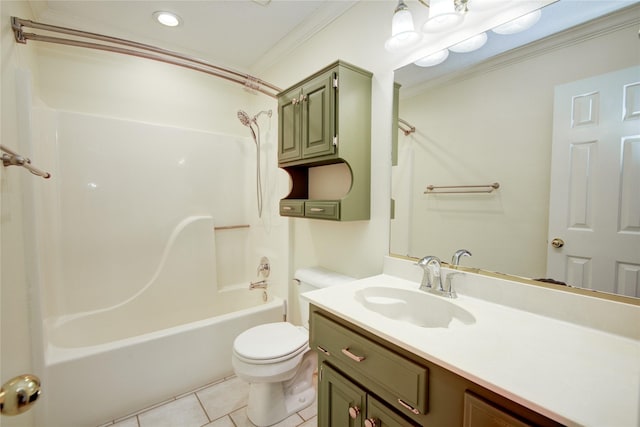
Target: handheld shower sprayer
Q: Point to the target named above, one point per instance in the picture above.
(244, 118)
(248, 121)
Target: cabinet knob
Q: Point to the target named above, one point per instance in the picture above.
(354, 411)
(370, 422)
(294, 101)
(303, 98)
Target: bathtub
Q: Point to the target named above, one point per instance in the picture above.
(99, 368)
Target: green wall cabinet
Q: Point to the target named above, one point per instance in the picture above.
(323, 120)
(396, 387)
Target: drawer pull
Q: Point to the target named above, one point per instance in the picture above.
(316, 209)
(409, 407)
(323, 350)
(287, 208)
(352, 356)
(370, 422)
(354, 411)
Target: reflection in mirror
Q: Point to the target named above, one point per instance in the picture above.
(496, 121)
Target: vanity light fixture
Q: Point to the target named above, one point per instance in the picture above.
(443, 16)
(168, 19)
(403, 33)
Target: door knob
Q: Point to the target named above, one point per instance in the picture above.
(19, 394)
(354, 411)
(370, 422)
(557, 243)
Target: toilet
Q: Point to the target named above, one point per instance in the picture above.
(276, 361)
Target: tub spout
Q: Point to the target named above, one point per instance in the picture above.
(261, 284)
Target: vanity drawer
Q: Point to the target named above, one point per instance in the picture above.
(292, 207)
(323, 210)
(399, 381)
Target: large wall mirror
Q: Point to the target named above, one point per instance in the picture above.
(537, 120)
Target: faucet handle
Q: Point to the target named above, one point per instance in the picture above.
(430, 275)
(264, 268)
(455, 259)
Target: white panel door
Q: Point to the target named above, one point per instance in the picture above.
(594, 207)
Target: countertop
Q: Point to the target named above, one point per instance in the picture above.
(576, 375)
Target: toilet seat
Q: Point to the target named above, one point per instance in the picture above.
(271, 343)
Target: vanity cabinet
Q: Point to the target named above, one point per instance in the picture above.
(345, 404)
(326, 120)
(396, 387)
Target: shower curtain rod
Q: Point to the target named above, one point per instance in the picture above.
(158, 54)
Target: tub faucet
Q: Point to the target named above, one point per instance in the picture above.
(261, 284)
(430, 275)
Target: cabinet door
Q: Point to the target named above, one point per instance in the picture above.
(379, 415)
(340, 402)
(318, 121)
(289, 127)
(478, 413)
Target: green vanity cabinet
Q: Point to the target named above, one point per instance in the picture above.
(399, 388)
(345, 404)
(325, 120)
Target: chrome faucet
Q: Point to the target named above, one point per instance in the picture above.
(261, 284)
(448, 283)
(430, 276)
(455, 259)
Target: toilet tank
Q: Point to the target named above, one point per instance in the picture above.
(312, 278)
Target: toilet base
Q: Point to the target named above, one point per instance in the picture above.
(270, 403)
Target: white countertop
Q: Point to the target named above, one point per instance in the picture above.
(576, 375)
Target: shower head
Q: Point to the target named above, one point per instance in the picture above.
(244, 118)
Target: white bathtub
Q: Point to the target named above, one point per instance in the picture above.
(98, 368)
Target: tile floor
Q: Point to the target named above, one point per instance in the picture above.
(221, 404)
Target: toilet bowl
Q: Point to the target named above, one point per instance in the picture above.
(276, 361)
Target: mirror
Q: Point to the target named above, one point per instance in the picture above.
(480, 121)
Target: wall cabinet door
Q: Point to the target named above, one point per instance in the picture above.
(307, 120)
(318, 123)
(289, 127)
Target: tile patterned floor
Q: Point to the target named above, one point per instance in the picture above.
(221, 404)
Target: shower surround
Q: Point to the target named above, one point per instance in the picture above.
(143, 274)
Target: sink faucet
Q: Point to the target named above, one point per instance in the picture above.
(261, 284)
(430, 275)
(448, 290)
(455, 260)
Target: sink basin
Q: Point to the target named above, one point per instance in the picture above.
(416, 307)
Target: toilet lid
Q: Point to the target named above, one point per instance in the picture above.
(270, 341)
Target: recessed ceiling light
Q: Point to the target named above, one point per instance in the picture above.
(167, 18)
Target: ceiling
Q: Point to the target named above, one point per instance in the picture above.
(240, 34)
